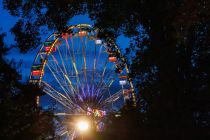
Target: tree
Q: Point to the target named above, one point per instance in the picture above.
(168, 55)
(20, 117)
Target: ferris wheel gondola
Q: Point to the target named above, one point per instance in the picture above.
(82, 72)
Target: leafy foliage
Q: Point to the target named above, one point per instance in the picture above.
(27, 36)
(20, 117)
(168, 55)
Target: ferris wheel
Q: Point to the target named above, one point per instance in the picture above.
(83, 73)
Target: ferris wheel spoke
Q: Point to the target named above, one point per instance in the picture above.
(69, 55)
(64, 76)
(69, 52)
(62, 61)
(58, 98)
(110, 77)
(114, 97)
(51, 89)
(105, 87)
(58, 73)
(83, 46)
(94, 64)
(98, 58)
(104, 70)
(74, 63)
(108, 84)
(67, 102)
(60, 129)
(63, 131)
(103, 73)
(100, 52)
(72, 60)
(72, 45)
(65, 73)
(53, 69)
(58, 80)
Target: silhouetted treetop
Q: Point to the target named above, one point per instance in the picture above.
(169, 52)
(20, 117)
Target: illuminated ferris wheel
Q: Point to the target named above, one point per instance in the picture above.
(83, 73)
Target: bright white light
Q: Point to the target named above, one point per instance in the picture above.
(98, 42)
(122, 82)
(82, 125)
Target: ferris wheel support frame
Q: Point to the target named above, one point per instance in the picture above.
(61, 99)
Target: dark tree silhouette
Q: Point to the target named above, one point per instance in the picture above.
(168, 55)
(20, 117)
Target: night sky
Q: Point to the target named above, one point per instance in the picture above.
(28, 58)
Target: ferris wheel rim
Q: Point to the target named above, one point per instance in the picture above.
(58, 96)
(53, 45)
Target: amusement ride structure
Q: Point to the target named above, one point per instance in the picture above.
(85, 75)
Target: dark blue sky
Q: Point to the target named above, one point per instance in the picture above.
(7, 21)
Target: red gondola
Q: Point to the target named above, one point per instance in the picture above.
(37, 73)
(82, 33)
(112, 59)
(47, 49)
